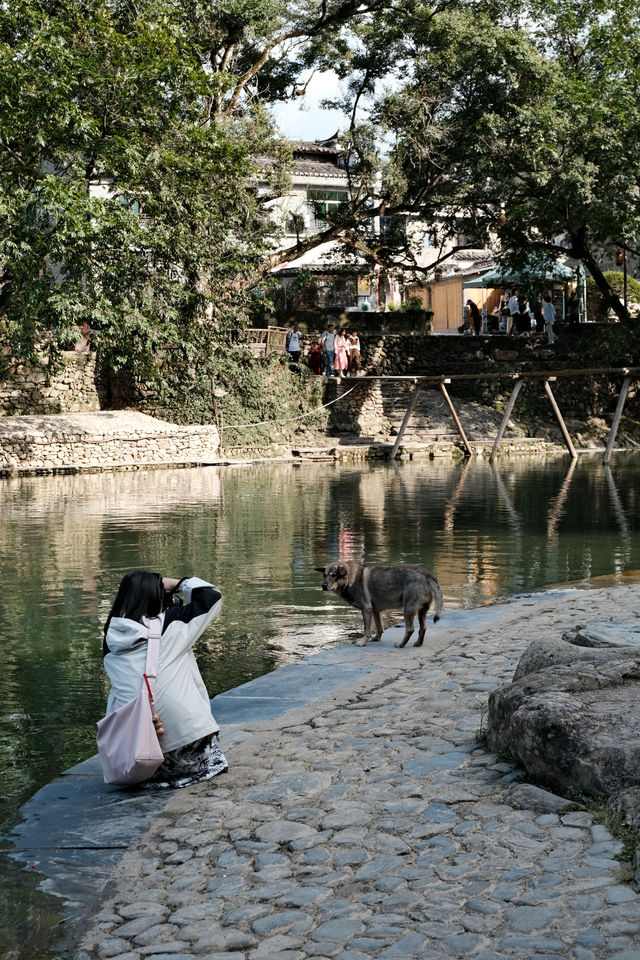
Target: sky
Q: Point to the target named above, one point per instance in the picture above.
(305, 119)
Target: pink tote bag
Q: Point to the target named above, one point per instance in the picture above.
(128, 744)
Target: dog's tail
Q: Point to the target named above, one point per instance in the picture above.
(439, 602)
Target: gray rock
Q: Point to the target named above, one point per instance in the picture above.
(341, 930)
(620, 894)
(112, 947)
(279, 922)
(529, 919)
(571, 716)
(409, 946)
(529, 797)
(283, 831)
(609, 633)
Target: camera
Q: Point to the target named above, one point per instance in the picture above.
(171, 600)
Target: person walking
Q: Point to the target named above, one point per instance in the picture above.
(354, 353)
(524, 317)
(294, 340)
(328, 341)
(316, 359)
(573, 310)
(549, 319)
(503, 321)
(475, 317)
(538, 312)
(341, 359)
(514, 310)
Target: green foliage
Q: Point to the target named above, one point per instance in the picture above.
(605, 813)
(597, 308)
(515, 121)
(134, 136)
(257, 400)
(413, 303)
(122, 205)
(266, 402)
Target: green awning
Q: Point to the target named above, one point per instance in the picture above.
(505, 276)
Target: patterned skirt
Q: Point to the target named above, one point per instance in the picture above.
(193, 763)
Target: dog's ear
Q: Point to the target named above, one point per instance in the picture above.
(341, 571)
(319, 569)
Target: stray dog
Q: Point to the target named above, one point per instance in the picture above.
(374, 589)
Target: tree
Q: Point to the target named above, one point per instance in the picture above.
(133, 135)
(524, 123)
(121, 204)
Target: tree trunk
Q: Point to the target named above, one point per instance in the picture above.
(581, 251)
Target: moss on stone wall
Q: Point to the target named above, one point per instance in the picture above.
(256, 401)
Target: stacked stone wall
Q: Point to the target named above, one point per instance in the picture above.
(91, 442)
(78, 386)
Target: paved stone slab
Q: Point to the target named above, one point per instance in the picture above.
(368, 822)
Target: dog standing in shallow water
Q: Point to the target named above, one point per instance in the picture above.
(374, 589)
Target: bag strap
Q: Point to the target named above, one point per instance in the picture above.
(153, 647)
(153, 655)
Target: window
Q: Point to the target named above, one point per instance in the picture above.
(324, 201)
(393, 229)
(464, 236)
(129, 203)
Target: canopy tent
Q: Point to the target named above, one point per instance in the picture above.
(504, 276)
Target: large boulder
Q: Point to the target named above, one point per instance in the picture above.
(571, 717)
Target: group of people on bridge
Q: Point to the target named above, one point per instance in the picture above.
(336, 354)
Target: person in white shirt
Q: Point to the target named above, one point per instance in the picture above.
(189, 736)
(328, 340)
(294, 344)
(549, 314)
(514, 310)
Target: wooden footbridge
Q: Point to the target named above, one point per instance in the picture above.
(628, 374)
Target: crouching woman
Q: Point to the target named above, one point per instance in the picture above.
(187, 730)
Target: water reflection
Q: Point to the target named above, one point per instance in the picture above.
(558, 503)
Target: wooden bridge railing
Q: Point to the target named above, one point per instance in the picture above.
(548, 376)
(263, 340)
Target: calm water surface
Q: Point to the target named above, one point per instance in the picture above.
(258, 532)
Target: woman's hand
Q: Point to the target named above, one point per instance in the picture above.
(170, 583)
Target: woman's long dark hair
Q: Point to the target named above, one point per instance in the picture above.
(139, 595)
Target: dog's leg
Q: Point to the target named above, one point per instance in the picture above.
(377, 619)
(422, 620)
(409, 617)
(366, 616)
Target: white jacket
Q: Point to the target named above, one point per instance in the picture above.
(181, 697)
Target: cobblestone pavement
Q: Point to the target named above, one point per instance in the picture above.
(372, 825)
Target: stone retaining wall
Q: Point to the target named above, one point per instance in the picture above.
(124, 440)
(79, 386)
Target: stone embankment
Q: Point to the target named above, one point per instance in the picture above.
(126, 439)
(79, 386)
(372, 824)
(100, 441)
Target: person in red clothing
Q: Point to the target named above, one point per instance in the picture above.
(316, 359)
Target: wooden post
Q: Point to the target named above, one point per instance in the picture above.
(463, 437)
(505, 420)
(556, 410)
(616, 419)
(410, 409)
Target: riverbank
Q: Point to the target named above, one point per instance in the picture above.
(367, 820)
(125, 440)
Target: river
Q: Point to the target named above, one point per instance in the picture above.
(258, 531)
